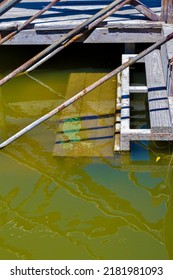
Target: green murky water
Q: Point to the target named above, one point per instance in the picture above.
(117, 207)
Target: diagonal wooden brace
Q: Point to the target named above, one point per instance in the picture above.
(144, 10)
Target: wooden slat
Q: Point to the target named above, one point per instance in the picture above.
(125, 107)
(160, 119)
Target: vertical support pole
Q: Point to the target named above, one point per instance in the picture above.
(167, 11)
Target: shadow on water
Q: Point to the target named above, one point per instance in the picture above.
(76, 207)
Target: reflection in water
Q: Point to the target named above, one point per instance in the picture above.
(94, 216)
(75, 208)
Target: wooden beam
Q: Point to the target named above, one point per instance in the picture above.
(144, 10)
(167, 11)
(123, 32)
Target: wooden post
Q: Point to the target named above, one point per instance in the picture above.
(167, 11)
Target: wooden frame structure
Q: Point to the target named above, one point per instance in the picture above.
(49, 30)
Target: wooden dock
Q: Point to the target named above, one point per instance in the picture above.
(127, 25)
(136, 22)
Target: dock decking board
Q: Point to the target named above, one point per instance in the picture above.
(167, 54)
(160, 119)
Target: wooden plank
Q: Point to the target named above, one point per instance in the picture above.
(130, 35)
(99, 35)
(138, 89)
(125, 107)
(147, 134)
(117, 147)
(167, 29)
(126, 24)
(86, 128)
(160, 119)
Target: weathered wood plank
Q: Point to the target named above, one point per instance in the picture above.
(167, 54)
(160, 119)
(99, 35)
(117, 147)
(147, 134)
(138, 89)
(167, 29)
(125, 107)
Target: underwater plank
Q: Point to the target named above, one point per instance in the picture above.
(160, 119)
(86, 128)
